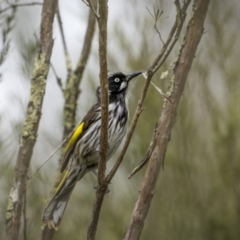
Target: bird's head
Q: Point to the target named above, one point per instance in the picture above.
(118, 82)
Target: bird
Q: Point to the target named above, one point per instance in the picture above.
(81, 154)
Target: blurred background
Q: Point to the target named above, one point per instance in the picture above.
(198, 193)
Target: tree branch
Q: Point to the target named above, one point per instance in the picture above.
(20, 5)
(167, 118)
(30, 128)
(71, 92)
(158, 62)
(102, 23)
(67, 56)
(175, 31)
(92, 7)
(173, 36)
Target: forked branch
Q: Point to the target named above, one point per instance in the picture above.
(166, 120)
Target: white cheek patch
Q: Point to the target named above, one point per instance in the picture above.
(123, 85)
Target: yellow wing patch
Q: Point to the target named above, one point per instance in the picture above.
(75, 136)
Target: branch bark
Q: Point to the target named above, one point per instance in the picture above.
(11, 6)
(30, 128)
(71, 92)
(167, 118)
(102, 186)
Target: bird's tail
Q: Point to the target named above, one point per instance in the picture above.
(53, 213)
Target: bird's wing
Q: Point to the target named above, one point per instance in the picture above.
(78, 132)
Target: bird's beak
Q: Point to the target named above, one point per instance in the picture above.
(133, 75)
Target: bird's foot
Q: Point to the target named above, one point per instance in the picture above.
(96, 188)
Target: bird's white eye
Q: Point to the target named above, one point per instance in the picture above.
(117, 80)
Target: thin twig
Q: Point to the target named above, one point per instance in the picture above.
(20, 5)
(156, 16)
(172, 37)
(59, 80)
(161, 92)
(49, 157)
(145, 160)
(66, 52)
(85, 2)
(86, 45)
(92, 8)
(180, 17)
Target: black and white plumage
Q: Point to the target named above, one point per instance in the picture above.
(82, 151)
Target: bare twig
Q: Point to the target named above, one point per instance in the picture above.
(93, 8)
(20, 5)
(145, 160)
(167, 119)
(59, 80)
(66, 52)
(86, 3)
(156, 16)
(86, 45)
(173, 36)
(49, 157)
(161, 92)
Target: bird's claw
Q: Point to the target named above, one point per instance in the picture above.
(96, 188)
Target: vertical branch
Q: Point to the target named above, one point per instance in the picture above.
(30, 128)
(67, 57)
(25, 216)
(167, 118)
(71, 92)
(102, 23)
